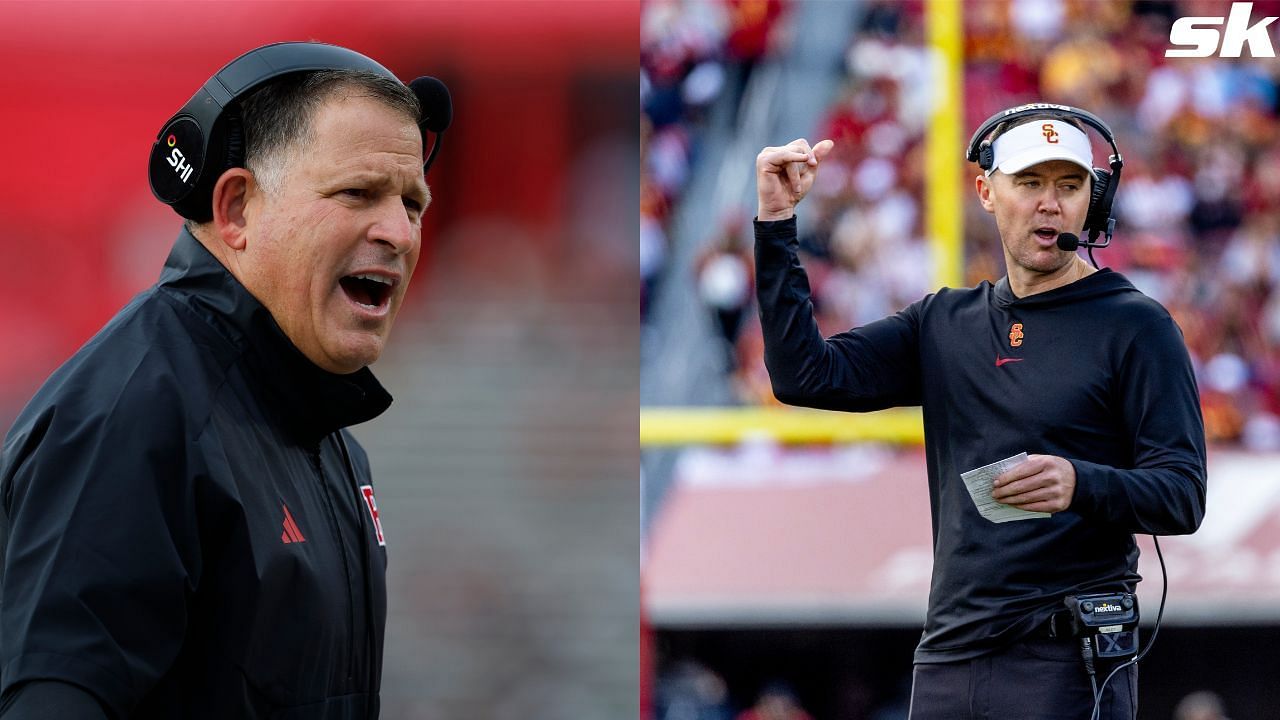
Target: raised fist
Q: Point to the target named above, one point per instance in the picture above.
(784, 176)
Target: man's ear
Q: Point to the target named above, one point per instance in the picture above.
(231, 195)
(983, 184)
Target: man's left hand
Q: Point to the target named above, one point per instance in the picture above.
(1044, 483)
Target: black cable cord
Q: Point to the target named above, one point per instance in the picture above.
(1091, 260)
(1164, 593)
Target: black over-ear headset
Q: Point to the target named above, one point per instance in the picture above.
(206, 137)
(1100, 218)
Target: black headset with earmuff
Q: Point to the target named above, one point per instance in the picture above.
(206, 137)
(1100, 218)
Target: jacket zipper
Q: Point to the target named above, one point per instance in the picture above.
(346, 569)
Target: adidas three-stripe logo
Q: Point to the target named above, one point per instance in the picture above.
(291, 532)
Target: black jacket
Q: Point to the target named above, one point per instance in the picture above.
(185, 528)
(1093, 371)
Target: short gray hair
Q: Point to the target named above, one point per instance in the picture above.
(278, 117)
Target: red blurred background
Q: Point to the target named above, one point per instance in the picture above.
(87, 86)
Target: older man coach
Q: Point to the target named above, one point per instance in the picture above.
(188, 530)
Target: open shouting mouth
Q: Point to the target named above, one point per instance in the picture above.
(371, 291)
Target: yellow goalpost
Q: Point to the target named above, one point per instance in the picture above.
(944, 228)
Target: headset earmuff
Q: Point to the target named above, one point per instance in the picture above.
(225, 151)
(1099, 202)
(986, 156)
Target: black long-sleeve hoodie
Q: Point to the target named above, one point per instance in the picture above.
(1094, 371)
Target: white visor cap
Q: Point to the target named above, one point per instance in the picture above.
(1038, 141)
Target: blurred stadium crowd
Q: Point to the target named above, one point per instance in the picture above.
(690, 53)
(1198, 208)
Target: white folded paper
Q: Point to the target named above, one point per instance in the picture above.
(979, 482)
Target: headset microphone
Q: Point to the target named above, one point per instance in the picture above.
(1070, 241)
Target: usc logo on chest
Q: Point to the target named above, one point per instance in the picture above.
(1015, 335)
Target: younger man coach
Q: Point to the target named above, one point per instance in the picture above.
(1068, 364)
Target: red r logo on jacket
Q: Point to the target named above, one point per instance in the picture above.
(366, 491)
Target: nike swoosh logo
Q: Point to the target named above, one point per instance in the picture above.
(1000, 361)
